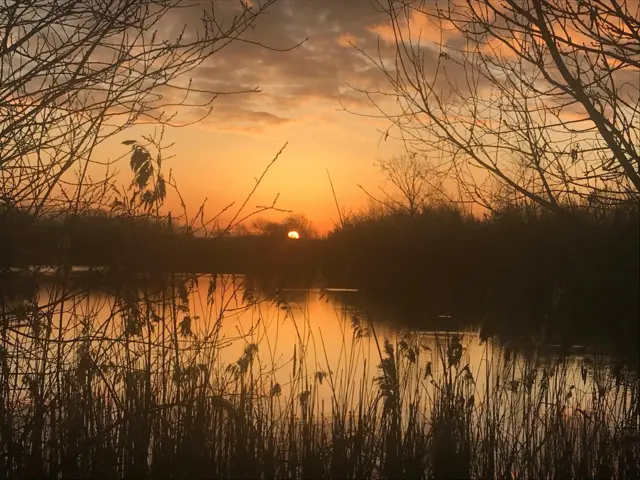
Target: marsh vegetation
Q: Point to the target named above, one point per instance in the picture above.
(213, 377)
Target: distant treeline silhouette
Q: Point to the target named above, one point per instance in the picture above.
(522, 259)
(522, 264)
(145, 244)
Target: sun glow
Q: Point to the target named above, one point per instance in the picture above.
(293, 234)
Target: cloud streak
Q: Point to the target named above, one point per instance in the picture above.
(317, 73)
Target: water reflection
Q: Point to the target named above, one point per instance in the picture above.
(288, 333)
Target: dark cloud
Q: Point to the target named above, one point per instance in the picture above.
(316, 71)
(244, 120)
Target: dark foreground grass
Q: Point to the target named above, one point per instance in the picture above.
(131, 385)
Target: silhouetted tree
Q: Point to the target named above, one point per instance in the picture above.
(412, 183)
(540, 98)
(73, 74)
(298, 222)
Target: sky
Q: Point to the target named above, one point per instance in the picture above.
(309, 101)
(306, 101)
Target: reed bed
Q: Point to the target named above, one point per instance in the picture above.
(132, 384)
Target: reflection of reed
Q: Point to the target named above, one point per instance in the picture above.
(150, 380)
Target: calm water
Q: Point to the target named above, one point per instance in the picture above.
(290, 340)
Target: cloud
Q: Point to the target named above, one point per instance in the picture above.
(242, 119)
(318, 72)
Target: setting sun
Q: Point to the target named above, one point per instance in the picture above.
(293, 234)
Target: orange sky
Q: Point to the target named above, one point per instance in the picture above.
(303, 92)
(300, 103)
